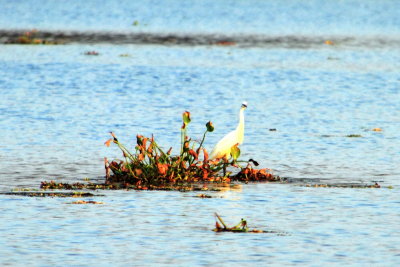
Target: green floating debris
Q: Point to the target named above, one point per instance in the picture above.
(203, 196)
(241, 227)
(24, 189)
(354, 135)
(348, 135)
(86, 202)
(91, 53)
(344, 185)
(183, 187)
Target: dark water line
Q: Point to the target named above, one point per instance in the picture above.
(201, 39)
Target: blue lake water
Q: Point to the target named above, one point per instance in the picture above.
(57, 106)
(355, 17)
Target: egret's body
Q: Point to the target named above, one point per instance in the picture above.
(223, 147)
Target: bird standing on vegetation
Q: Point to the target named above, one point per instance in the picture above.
(223, 147)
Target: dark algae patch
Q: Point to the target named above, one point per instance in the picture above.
(345, 185)
(183, 187)
(50, 194)
(354, 135)
(86, 202)
(91, 53)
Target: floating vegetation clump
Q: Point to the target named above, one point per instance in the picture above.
(32, 37)
(203, 196)
(241, 227)
(51, 194)
(150, 166)
(91, 53)
(184, 187)
(354, 135)
(75, 186)
(344, 185)
(225, 43)
(147, 166)
(250, 174)
(86, 202)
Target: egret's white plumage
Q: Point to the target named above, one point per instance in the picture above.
(223, 147)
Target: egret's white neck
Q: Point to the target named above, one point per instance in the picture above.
(240, 127)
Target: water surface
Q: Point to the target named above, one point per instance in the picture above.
(57, 106)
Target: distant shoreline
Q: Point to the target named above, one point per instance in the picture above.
(202, 39)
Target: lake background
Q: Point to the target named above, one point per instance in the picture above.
(57, 106)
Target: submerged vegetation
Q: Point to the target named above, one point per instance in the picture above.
(151, 166)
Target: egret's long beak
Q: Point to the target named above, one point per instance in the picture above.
(244, 105)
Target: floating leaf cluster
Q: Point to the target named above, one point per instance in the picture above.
(149, 165)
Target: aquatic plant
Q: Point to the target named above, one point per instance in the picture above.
(241, 227)
(151, 165)
(345, 185)
(91, 53)
(86, 202)
(31, 37)
(354, 135)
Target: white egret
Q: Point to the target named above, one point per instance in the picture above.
(223, 147)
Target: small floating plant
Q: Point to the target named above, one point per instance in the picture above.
(91, 53)
(241, 227)
(86, 202)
